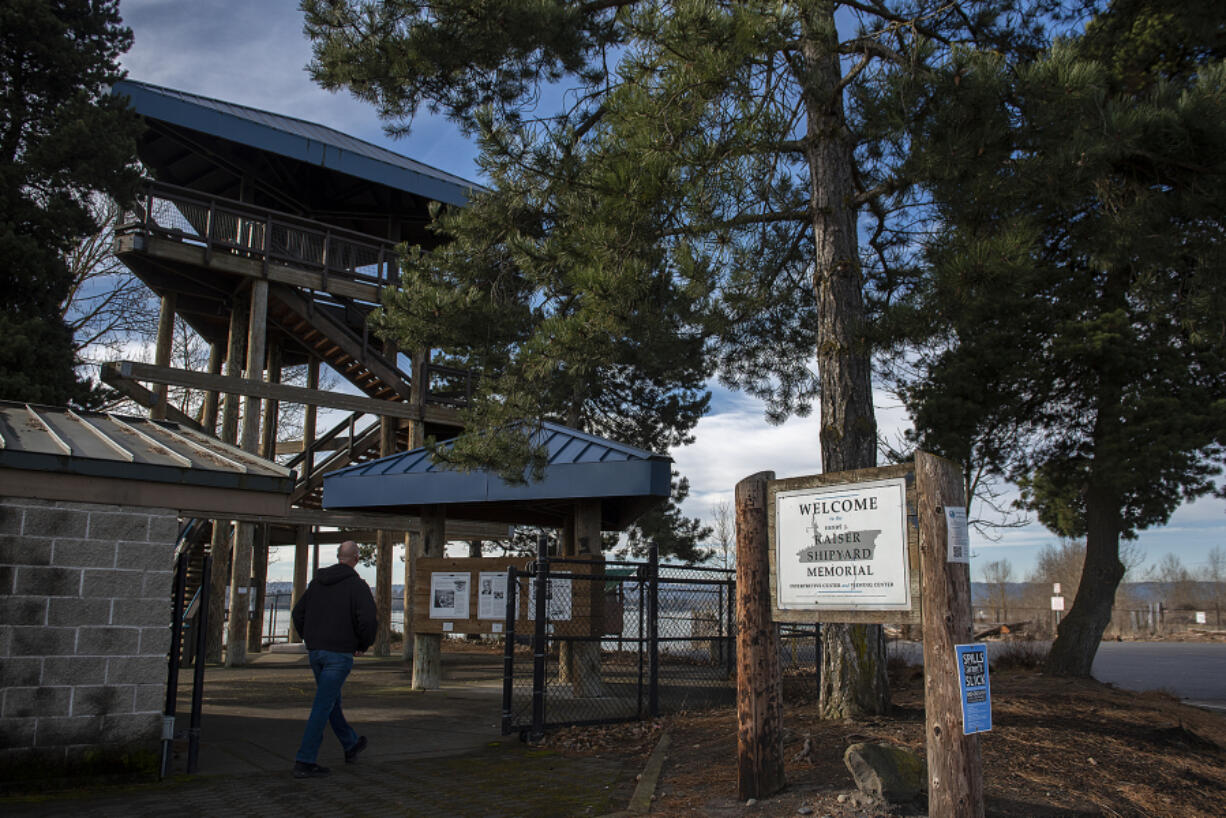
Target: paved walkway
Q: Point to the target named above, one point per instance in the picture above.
(437, 753)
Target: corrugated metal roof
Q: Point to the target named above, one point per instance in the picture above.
(51, 439)
(580, 466)
(295, 138)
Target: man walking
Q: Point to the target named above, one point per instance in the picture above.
(336, 617)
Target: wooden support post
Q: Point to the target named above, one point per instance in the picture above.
(240, 571)
(412, 545)
(309, 413)
(428, 647)
(759, 700)
(955, 765)
(165, 343)
(385, 540)
(419, 365)
(259, 559)
(302, 546)
(586, 677)
(208, 410)
(222, 543)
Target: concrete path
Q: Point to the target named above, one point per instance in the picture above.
(437, 753)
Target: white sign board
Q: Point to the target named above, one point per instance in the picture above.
(491, 595)
(449, 594)
(843, 547)
(1057, 603)
(957, 535)
(1200, 618)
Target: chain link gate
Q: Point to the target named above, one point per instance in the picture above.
(614, 641)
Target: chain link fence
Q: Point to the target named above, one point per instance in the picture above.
(615, 641)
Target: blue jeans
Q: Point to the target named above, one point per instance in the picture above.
(330, 669)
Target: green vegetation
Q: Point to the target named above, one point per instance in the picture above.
(63, 137)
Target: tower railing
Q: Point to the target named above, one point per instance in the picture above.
(270, 236)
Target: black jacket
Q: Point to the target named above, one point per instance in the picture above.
(337, 611)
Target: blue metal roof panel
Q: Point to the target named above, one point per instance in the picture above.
(580, 466)
(297, 139)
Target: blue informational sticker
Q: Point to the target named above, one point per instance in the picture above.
(976, 695)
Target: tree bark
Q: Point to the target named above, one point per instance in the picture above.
(853, 656)
(1081, 631)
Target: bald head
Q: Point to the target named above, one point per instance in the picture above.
(348, 553)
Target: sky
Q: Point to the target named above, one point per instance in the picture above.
(254, 52)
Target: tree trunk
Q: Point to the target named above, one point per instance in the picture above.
(853, 656)
(1081, 631)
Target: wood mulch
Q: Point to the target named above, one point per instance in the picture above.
(1058, 747)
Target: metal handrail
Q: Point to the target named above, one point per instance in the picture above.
(261, 233)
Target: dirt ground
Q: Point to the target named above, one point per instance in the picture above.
(1058, 747)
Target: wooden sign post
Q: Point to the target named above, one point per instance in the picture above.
(865, 546)
(955, 765)
(759, 685)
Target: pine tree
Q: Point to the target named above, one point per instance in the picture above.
(1075, 302)
(62, 137)
(698, 193)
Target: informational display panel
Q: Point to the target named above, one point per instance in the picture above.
(492, 595)
(845, 547)
(449, 594)
(469, 595)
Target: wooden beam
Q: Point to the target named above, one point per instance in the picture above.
(196, 255)
(229, 384)
(189, 501)
(145, 397)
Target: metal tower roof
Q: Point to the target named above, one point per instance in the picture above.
(295, 138)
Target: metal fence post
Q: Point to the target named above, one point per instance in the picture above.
(508, 655)
(538, 640)
(172, 681)
(653, 630)
(817, 655)
(730, 644)
(202, 635)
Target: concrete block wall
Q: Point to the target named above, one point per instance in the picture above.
(84, 629)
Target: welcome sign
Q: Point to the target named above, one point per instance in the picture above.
(842, 550)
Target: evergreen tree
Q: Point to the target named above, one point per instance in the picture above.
(62, 138)
(1070, 326)
(696, 199)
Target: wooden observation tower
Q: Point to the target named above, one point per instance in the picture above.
(273, 238)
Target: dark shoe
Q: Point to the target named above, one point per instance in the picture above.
(351, 755)
(304, 770)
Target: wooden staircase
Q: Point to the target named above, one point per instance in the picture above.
(321, 328)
